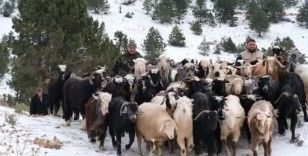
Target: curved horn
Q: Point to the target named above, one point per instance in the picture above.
(123, 108)
(285, 93)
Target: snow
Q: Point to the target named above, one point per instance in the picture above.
(76, 142)
(138, 26)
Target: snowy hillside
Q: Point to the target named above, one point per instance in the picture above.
(138, 26)
(75, 142)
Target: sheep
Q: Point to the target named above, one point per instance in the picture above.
(235, 85)
(234, 116)
(184, 122)
(140, 67)
(247, 100)
(261, 118)
(154, 125)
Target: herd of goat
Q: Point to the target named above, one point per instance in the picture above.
(203, 105)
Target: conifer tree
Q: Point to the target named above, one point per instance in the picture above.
(200, 11)
(147, 6)
(164, 11)
(204, 48)
(98, 5)
(274, 10)
(7, 9)
(121, 41)
(228, 45)
(225, 10)
(48, 37)
(257, 18)
(176, 38)
(4, 55)
(196, 28)
(302, 16)
(153, 45)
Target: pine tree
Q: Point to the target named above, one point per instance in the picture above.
(164, 11)
(4, 56)
(257, 18)
(181, 7)
(286, 43)
(289, 3)
(200, 11)
(228, 45)
(225, 10)
(302, 16)
(176, 38)
(98, 5)
(196, 28)
(147, 6)
(274, 9)
(204, 48)
(153, 45)
(121, 41)
(48, 37)
(7, 9)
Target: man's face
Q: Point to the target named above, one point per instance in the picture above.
(39, 93)
(131, 49)
(251, 46)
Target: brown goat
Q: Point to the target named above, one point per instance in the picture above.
(261, 118)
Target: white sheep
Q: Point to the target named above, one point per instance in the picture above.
(235, 84)
(184, 122)
(140, 67)
(234, 116)
(155, 125)
(261, 119)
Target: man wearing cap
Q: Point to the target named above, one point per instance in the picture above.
(125, 64)
(39, 103)
(251, 54)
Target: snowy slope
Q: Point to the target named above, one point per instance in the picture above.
(138, 26)
(75, 141)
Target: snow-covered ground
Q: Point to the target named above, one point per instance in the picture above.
(75, 141)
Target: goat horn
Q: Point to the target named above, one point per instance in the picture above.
(285, 93)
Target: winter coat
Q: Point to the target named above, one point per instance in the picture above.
(125, 64)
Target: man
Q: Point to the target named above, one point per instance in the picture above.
(125, 63)
(251, 54)
(39, 103)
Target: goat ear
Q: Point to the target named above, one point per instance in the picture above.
(104, 83)
(91, 79)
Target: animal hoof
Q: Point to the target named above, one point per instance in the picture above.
(293, 140)
(93, 140)
(127, 147)
(300, 124)
(102, 148)
(306, 119)
(300, 143)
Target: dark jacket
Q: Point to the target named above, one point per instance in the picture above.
(125, 64)
(38, 107)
